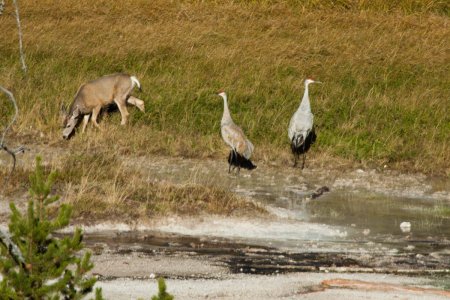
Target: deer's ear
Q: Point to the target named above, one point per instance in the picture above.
(63, 110)
(76, 112)
(63, 115)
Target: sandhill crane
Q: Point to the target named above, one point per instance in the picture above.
(301, 128)
(96, 94)
(241, 147)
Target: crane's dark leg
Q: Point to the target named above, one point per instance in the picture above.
(233, 158)
(293, 152)
(230, 160)
(304, 155)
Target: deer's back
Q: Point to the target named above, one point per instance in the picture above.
(102, 91)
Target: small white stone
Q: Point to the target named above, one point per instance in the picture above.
(152, 276)
(366, 231)
(405, 226)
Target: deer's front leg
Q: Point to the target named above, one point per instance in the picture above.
(85, 122)
(95, 113)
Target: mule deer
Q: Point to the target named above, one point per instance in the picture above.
(94, 95)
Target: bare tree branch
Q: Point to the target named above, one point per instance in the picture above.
(11, 152)
(2, 6)
(16, 111)
(13, 250)
(22, 55)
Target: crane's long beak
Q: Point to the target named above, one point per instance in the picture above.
(318, 82)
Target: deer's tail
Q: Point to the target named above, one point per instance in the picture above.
(135, 81)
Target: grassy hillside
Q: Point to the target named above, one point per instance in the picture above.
(385, 68)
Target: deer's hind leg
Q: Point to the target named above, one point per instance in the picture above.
(121, 104)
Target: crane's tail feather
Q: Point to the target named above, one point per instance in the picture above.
(300, 145)
(237, 160)
(297, 142)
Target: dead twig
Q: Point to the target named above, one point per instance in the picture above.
(12, 248)
(20, 149)
(16, 112)
(2, 6)
(19, 28)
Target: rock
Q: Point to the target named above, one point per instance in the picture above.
(436, 255)
(409, 247)
(405, 226)
(319, 192)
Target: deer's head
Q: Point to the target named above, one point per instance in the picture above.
(69, 121)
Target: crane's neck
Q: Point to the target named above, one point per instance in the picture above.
(305, 105)
(226, 117)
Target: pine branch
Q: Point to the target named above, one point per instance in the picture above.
(98, 294)
(162, 293)
(33, 263)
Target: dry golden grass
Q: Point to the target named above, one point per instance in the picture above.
(100, 188)
(385, 66)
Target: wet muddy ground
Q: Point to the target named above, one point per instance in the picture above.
(201, 268)
(351, 231)
(257, 259)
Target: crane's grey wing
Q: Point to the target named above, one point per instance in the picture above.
(291, 128)
(301, 123)
(236, 139)
(249, 149)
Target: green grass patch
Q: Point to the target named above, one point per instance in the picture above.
(385, 98)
